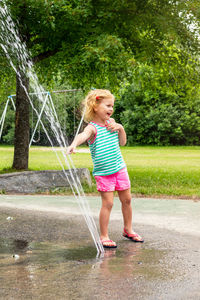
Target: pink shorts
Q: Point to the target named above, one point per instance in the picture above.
(115, 182)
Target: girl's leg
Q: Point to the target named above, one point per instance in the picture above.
(104, 216)
(125, 198)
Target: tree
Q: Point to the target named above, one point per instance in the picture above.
(93, 43)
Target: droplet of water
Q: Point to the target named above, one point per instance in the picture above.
(16, 256)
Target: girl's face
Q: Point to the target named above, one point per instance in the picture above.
(104, 110)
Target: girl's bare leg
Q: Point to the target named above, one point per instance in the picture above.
(125, 198)
(104, 216)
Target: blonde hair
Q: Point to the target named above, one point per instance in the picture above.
(92, 101)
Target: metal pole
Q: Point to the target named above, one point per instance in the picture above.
(79, 126)
(59, 91)
(39, 118)
(3, 117)
(10, 97)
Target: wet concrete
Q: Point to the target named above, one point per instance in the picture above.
(46, 251)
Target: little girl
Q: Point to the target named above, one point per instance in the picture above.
(104, 136)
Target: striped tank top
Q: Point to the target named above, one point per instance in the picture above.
(105, 151)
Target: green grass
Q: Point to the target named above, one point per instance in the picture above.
(154, 171)
(164, 170)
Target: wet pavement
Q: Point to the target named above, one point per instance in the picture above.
(46, 251)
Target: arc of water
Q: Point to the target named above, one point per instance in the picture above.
(55, 126)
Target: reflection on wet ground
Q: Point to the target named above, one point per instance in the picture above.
(50, 256)
(39, 270)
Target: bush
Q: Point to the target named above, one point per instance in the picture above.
(164, 124)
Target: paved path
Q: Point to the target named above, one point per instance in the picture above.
(54, 256)
(179, 215)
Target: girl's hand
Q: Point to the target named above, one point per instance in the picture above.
(71, 149)
(113, 126)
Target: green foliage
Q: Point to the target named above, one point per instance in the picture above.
(165, 124)
(7, 79)
(94, 43)
(144, 51)
(161, 105)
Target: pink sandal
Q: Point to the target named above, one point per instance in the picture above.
(104, 242)
(133, 237)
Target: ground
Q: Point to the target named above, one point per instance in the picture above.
(46, 251)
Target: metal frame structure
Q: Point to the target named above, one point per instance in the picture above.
(47, 97)
(4, 113)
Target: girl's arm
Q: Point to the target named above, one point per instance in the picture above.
(81, 138)
(122, 135)
(113, 126)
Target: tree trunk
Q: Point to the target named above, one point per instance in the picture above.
(21, 140)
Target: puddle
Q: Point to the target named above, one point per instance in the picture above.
(40, 253)
(128, 259)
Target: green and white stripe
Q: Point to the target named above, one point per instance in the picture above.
(105, 152)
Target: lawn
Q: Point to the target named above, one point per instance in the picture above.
(153, 171)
